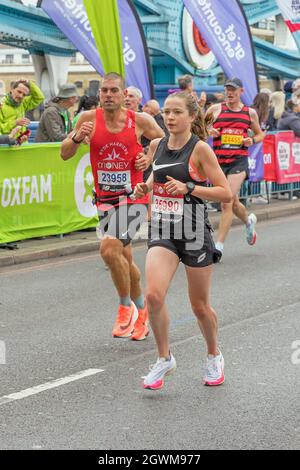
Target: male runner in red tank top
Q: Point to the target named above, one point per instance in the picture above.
(118, 163)
(233, 122)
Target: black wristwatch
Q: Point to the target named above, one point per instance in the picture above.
(190, 186)
(74, 140)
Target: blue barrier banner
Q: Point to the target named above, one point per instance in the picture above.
(290, 10)
(256, 162)
(225, 28)
(71, 18)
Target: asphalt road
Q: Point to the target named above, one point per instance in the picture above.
(55, 323)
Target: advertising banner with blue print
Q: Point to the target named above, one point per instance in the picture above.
(225, 28)
(135, 50)
(71, 18)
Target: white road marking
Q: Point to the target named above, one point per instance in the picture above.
(48, 385)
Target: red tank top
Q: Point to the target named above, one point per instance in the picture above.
(112, 158)
(233, 127)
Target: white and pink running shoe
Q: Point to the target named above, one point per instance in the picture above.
(155, 379)
(214, 370)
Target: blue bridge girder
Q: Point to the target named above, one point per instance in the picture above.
(258, 10)
(285, 63)
(30, 28)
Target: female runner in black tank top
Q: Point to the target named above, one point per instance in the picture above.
(181, 165)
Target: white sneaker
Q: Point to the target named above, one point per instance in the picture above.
(250, 229)
(214, 370)
(155, 379)
(220, 246)
(259, 200)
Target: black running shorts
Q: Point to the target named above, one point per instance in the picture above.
(122, 222)
(199, 257)
(234, 168)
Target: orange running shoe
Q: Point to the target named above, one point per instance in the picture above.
(125, 321)
(141, 329)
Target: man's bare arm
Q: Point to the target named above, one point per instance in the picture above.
(83, 129)
(214, 109)
(148, 126)
(259, 135)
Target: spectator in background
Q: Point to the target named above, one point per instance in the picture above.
(288, 89)
(213, 98)
(152, 108)
(133, 99)
(277, 104)
(261, 106)
(296, 85)
(86, 103)
(186, 84)
(55, 123)
(23, 96)
(295, 91)
(267, 91)
(289, 120)
(8, 139)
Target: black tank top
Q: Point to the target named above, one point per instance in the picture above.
(179, 208)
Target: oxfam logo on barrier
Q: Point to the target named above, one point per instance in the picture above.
(83, 186)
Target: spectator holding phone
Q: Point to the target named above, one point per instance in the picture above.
(15, 137)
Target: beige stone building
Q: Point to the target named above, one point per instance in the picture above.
(16, 63)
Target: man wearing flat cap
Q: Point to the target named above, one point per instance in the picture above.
(55, 123)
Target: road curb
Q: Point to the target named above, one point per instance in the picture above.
(19, 258)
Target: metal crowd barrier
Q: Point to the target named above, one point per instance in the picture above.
(267, 189)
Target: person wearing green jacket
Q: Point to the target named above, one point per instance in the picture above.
(24, 96)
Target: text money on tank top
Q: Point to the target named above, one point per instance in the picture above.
(113, 157)
(167, 208)
(233, 127)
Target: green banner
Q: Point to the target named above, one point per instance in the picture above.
(40, 194)
(105, 23)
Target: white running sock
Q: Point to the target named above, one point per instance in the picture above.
(220, 246)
